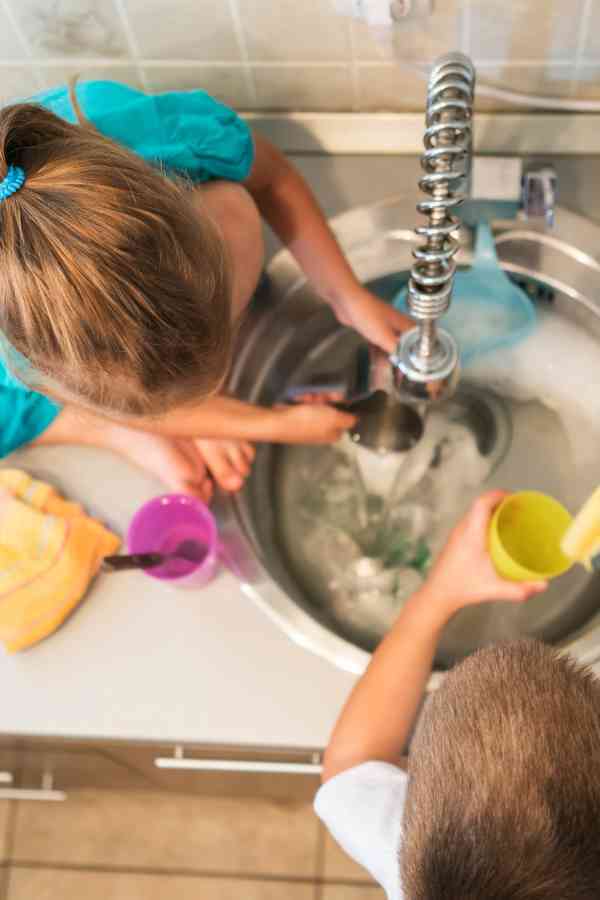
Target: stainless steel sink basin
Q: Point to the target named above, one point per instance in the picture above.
(290, 333)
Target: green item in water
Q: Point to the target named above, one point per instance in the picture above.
(422, 557)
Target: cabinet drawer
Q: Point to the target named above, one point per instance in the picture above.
(282, 775)
(228, 771)
(79, 767)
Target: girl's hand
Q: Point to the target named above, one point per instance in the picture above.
(314, 424)
(377, 321)
(464, 573)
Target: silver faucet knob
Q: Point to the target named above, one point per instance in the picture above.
(539, 194)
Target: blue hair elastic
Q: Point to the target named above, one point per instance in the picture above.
(13, 181)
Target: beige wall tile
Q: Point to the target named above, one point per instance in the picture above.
(71, 28)
(343, 892)
(4, 812)
(306, 88)
(591, 47)
(544, 80)
(186, 29)
(338, 865)
(10, 44)
(226, 83)
(48, 884)
(524, 29)
(290, 30)
(51, 76)
(390, 87)
(170, 831)
(18, 82)
(587, 83)
(412, 41)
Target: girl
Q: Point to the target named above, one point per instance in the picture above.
(121, 281)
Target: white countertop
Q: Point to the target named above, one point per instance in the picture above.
(141, 661)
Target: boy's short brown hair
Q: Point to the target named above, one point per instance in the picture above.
(504, 791)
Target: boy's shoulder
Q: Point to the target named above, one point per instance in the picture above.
(363, 808)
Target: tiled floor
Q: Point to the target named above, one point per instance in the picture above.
(106, 845)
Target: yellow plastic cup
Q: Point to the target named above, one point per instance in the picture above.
(525, 536)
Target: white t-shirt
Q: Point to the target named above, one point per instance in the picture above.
(363, 809)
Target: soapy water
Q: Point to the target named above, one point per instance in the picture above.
(361, 530)
(366, 526)
(559, 365)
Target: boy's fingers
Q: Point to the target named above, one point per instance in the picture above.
(486, 503)
(384, 336)
(399, 321)
(520, 591)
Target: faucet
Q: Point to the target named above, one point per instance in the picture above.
(538, 195)
(390, 394)
(425, 363)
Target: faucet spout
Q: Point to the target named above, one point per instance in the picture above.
(425, 363)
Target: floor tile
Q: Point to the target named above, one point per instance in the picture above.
(337, 892)
(4, 812)
(50, 884)
(339, 865)
(170, 831)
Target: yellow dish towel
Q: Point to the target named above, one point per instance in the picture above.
(49, 552)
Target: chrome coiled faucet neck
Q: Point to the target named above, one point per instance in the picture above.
(426, 360)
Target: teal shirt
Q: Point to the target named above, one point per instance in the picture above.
(185, 132)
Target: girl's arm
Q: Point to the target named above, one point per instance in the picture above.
(226, 417)
(378, 716)
(289, 206)
(217, 417)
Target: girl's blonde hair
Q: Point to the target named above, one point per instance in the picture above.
(112, 287)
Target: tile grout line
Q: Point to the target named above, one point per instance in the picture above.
(9, 835)
(219, 875)
(584, 25)
(465, 31)
(354, 71)
(320, 867)
(98, 869)
(24, 41)
(4, 880)
(120, 62)
(132, 43)
(240, 36)
(8, 12)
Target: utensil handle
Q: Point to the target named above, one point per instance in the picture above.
(120, 562)
(485, 247)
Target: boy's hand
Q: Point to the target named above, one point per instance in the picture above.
(377, 321)
(464, 573)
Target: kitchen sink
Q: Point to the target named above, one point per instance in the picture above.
(289, 335)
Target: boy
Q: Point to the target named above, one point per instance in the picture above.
(501, 797)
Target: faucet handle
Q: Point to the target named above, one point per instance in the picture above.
(538, 194)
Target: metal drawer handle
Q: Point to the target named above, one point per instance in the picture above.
(178, 761)
(46, 792)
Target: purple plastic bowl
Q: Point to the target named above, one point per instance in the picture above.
(162, 524)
